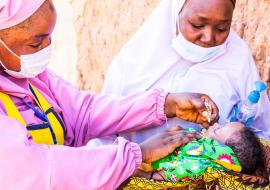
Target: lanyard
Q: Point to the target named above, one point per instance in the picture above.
(51, 131)
(41, 116)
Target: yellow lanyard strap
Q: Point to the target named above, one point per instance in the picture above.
(11, 109)
(39, 99)
(53, 135)
(56, 123)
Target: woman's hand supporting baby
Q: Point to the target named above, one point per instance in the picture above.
(165, 143)
(193, 107)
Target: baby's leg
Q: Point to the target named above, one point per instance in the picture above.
(159, 176)
(156, 175)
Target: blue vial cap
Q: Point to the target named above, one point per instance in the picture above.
(254, 96)
(260, 86)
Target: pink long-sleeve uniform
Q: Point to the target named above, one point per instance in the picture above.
(26, 165)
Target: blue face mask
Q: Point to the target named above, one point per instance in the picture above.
(193, 52)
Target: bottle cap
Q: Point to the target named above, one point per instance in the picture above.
(254, 96)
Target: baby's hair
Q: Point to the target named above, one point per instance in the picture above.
(248, 150)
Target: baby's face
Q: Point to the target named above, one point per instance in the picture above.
(222, 132)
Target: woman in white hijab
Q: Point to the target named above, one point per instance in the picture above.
(189, 46)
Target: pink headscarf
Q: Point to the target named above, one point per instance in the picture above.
(13, 12)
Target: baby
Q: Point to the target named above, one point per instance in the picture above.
(231, 146)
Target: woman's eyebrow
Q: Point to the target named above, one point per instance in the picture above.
(205, 18)
(42, 36)
(39, 36)
(225, 21)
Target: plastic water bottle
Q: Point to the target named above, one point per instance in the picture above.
(245, 112)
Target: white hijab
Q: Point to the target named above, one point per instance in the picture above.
(148, 61)
(147, 51)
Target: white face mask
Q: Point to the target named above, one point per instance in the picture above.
(32, 64)
(193, 52)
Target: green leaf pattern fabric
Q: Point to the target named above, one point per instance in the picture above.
(193, 159)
